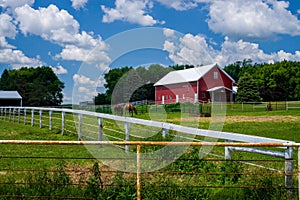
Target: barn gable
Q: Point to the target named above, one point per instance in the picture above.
(193, 85)
(10, 98)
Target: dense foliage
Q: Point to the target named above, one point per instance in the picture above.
(275, 82)
(38, 86)
(247, 91)
(122, 80)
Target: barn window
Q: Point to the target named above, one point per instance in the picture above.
(203, 96)
(183, 96)
(170, 96)
(215, 75)
(158, 97)
(166, 97)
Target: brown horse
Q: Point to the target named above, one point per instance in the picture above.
(118, 109)
(130, 109)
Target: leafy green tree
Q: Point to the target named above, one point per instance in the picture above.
(38, 86)
(247, 89)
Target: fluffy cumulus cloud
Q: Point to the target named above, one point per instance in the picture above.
(179, 5)
(132, 11)
(46, 22)
(190, 49)
(8, 28)
(8, 54)
(252, 18)
(59, 70)
(77, 4)
(86, 87)
(59, 27)
(10, 5)
(17, 59)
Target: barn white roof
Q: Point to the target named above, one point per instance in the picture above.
(10, 95)
(186, 75)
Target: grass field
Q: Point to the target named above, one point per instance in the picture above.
(274, 124)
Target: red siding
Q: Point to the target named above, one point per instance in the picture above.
(186, 91)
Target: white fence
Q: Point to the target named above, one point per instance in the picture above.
(15, 113)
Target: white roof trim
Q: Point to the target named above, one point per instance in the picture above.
(218, 88)
(10, 95)
(186, 75)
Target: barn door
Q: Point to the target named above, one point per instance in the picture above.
(177, 98)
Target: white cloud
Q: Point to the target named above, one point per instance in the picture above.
(252, 18)
(77, 4)
(196, 51)
(179, 5)
(8, 54)
(132, 11)
(190, 49)
(59, 27)
(86, 88)
(169, 32)
(45, 21)
(17, 59)
(8, 28)
(12, 4)
(59, 70)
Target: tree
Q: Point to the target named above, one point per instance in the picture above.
(38, 86)
(247, 89)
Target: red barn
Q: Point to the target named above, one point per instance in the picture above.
(199, 84)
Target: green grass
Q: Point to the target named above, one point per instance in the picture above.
(158, 186)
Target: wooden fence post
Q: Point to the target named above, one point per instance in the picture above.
(100, 123)
(50, 120)
(127, 135)
(79, 126)
(32, 117)
(62, 123)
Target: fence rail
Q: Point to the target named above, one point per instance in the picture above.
(95, 126)
(186, 180)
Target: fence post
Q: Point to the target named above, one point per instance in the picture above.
(138, 171)
(9, 114)
(100, 123)
(62, 123)
(13, 113)
(25, 116)
(289, 171)
(41, 119)
(299, 171)
(5, 114)
(164, 132)
(32, 117)
(79, 126)
(1, 113)
(286, 105)
(127, 137)
(228, 154)
(19, 115)
(50, 120)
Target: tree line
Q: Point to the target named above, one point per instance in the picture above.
(38, 86)
(278, 81)
(128, 84)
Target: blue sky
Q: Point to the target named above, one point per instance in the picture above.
(82, 39)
